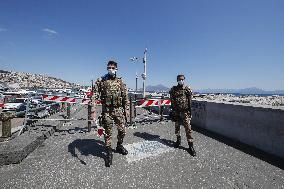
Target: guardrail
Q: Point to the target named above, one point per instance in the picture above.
(6, 117)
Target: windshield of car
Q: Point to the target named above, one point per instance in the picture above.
(20, 100)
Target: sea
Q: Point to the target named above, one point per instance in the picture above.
(242, 94)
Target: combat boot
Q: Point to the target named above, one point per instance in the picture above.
(108, 160)
(120, 149)
(177, 143)
(191, 150)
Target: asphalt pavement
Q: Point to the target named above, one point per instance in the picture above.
(74, 158)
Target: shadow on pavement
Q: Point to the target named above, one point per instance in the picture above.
(264, 156)
(147, 121)
(87, 147)
(151, 137)
(76, 129)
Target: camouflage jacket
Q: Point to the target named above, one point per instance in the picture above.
(112, 92)
(181, 97)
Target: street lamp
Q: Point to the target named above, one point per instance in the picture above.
(144, 75)
(135, 60)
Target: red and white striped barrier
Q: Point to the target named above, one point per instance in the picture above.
(1, 102)
(67, 99)
(153, 102)
(88, 93)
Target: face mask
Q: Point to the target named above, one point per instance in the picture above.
(111, 72)
(181, 82)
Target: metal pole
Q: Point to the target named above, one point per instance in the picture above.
(144, 75)
(136, 86)
(135, 97)
(90, 110)
(89, 117)
(62, 107)
(135, 104)
(135, 60)
(162, 109)
(130, 110)
(68, 110)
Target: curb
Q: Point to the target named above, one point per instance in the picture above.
(15, 150)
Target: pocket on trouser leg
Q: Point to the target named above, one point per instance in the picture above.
(107, 135)
(107, 123)
(119, 118)
(188, 132)
(121, 130)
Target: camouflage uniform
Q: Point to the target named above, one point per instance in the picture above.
(181, 109)
(113, 95)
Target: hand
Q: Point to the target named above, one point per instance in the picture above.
(190, 115)
(94, 116)
(127, 115)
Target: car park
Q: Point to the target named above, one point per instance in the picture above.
(14, 104)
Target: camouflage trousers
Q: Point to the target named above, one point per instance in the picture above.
(111, 118)
(184, 119)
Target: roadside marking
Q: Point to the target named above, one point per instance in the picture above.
(140, 150)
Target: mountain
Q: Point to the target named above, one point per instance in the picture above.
(252, 90)
(27, 80)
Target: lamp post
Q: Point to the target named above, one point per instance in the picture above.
(135, 60)
(144, 75)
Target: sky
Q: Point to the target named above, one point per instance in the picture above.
(214, 43)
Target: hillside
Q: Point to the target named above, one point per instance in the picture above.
(28, 80)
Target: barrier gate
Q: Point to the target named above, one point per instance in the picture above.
(140, 103)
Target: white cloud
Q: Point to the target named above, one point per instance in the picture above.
(50, 32)
(3, 29)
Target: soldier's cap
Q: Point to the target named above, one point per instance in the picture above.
(112, 62)
(179, 76)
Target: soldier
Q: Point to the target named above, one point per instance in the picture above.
(114, 98)
(181, 96)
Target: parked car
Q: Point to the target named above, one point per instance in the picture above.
(14, 104)
(36, 100)
(52, 107)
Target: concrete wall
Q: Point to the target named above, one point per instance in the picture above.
(260, 127)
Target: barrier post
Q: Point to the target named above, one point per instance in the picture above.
(150, 107)
(162, 109)
(135, 104)
(131, 104)
(68, 110)
(62, 106)
(89, 117)
(6, 118)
